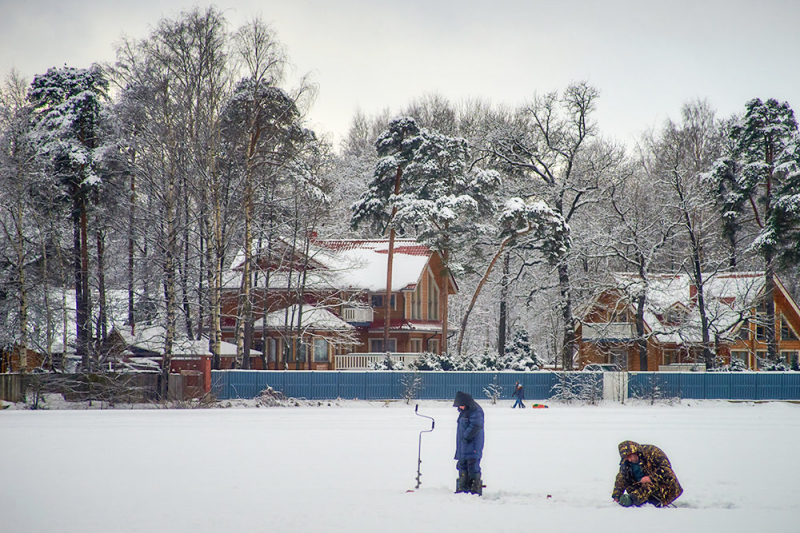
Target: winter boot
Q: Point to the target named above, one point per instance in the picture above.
(475, 484)
(462, 483)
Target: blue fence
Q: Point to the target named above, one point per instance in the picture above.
(715, 385)
(327, 385)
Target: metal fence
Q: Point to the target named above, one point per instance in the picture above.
(381, 385)
(715, 385)
(12, 387)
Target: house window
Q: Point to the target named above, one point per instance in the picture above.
(320, 350)
(433, 298)
(272, 349)
(376, 346)
(761, 355)
(300, 350)
(619, 357)
(416, 303)
(791, 359)
(744, 332)
(761, 333)
(739, 354)
(787, 333)
(670, 357)
(288, 353)
(433, 345)
(378, 301)
(674, 316)
(416, 345)
(302, 353)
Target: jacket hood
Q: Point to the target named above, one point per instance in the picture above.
(627, 447)
(462, 398)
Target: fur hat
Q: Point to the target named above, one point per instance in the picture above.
(627, 447)
(462, 398)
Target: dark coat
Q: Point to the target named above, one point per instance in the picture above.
(664, 488)
(469, 432)
(519, 392)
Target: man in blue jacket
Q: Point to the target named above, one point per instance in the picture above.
(469, 444)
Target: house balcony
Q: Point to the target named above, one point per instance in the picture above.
(364, 361)
(608, 332)
(358, 316)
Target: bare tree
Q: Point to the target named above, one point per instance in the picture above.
(550, 141)
(683, 153)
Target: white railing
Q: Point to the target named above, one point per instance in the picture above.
(357, 314)
(608, 330)
(364, 361)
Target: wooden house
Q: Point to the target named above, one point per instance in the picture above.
(321, 305)
(735, 314)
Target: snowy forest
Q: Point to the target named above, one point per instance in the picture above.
(136, 183)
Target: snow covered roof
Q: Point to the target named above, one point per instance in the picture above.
(152, 340)
(671, 312)
(352, 265)
(311, 318)
(59, 316)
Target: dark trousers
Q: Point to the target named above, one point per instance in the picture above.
(473, 466)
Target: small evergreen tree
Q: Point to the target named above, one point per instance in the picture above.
(519, 355)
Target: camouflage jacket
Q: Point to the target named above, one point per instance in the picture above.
(654, 463)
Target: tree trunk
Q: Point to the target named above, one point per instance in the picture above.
(23, 291)
(485, 277)
(131, 249)
(641, 341)
(502, 329)
(82, 296)
(443, 300)
(568, 348)
(102, 314)
(769, 303)
(389, 261)
(169, 286)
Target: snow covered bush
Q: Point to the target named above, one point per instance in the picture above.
(388, 364)
(585, 387)
(736, 365)
(519, 356)
(412, 383)
(778, 366)
(493, 390)
(426, 361)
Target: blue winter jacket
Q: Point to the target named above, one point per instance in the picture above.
(469, 432)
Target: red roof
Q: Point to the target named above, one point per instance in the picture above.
(379, 246)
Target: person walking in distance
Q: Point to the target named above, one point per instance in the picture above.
(519, 393)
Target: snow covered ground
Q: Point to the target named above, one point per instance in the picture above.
(348, 466)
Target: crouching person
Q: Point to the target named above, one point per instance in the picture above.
(469, 443)
(645, 476)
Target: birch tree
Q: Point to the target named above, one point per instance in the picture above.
(18, 235)
(681, 156)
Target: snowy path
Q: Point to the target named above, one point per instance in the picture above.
(347, 468)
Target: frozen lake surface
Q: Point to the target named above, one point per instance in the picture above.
(348, 467)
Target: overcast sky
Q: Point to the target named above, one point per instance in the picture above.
(646, 59)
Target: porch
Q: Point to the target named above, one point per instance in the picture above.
(365, 361)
